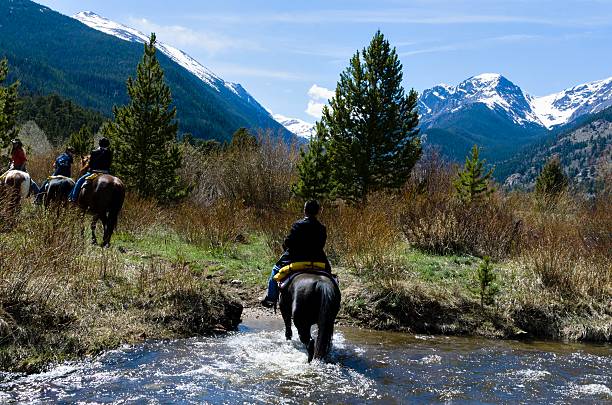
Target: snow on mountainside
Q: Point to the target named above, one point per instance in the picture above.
(300, 128)
(501, 95)
(569, 104)
(121, 31)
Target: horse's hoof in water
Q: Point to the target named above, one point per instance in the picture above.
(310, 350)
(288, 336)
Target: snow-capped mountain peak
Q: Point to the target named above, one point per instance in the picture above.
(299, 127)
(121, 31)
(491, 89)
(567, 105)
(501, 95)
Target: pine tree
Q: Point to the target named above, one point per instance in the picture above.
(147, 153)
(313, 169)
(371, 125)
(488, 289)
(242, 139)
(82, 141)
(9, 105)
(552, 181)
(472, 183)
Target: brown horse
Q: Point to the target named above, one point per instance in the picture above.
(103, 198)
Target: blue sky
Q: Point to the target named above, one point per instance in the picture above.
(287, 53)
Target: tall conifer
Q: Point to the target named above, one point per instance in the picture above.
(472, 182)
(551, 181)
(313, 169)
(9, 105)
(371, 124)
(147, 154)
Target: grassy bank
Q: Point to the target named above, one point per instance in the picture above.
(61, 298)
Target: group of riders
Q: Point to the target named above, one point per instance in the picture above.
(100, 160)
(303, 245)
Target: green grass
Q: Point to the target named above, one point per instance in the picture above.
(249, 262)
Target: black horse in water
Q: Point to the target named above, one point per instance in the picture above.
(311, 298)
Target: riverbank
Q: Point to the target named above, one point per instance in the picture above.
(180, 272)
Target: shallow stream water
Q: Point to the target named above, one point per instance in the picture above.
(256, 365)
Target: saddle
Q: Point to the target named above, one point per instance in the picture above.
(287, 281)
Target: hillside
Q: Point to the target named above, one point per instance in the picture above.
(585, 151)
(92, 72)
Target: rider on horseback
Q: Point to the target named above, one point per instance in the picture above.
(61, 167)
(18, 156)
(305, 242)
(100, 161)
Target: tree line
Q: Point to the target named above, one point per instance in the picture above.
(366, 141)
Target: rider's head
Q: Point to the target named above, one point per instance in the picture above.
(16, 143)
(70, 150)
(104, 143)
(311, 208)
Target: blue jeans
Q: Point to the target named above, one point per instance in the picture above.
(273, 292)
(77, 187)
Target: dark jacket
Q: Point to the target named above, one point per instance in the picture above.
(100, 159)
(305, 242)
(63, 165)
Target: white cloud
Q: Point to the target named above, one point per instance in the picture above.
(180, 36)
(319, 96)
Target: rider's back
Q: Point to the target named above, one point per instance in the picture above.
(100, 159)
(305, 242)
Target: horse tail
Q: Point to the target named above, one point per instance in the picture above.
(327, 315)
(115, 206)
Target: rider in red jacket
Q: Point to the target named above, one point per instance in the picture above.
(18, 156)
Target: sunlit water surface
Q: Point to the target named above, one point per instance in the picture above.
(256, 365)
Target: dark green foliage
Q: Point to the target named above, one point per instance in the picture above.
(552, 181)
(243, 139)
(488, 289)
(371, 125)
(472, 183)
(143, 134)
(313, 169)
(9, 105)
(205, 146)
(58, 117)
(82, 141)
(53, 53)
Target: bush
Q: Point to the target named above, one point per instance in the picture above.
(442, 224)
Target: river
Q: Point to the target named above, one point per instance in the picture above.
(256, 365)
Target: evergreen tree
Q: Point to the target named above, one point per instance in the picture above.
(488, 289)
(82, 141)
(472, 183)
(313, 169)
(242, 139)
(552, 181)
(371, 125)
(9, 106)
(147, 153)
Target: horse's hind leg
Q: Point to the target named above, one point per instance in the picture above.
(286, 312)
(306, 338)
(94, 221)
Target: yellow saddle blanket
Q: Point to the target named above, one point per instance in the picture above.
(56, 177)
(93, 176)
(297, 266)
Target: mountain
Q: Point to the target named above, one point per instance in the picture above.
(584, 149)
(52, 53)
(298, 127)
(491, 111)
